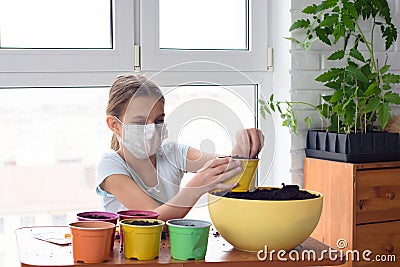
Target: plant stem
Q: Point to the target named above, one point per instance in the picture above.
(297, 103)
(369, 47)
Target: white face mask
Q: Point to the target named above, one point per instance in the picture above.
(143, 141)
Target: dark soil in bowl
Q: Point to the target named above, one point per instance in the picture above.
(237, 157)
(142, 223)
(287, 192)
(95, 217)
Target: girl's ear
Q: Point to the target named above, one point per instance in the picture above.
(113, 124)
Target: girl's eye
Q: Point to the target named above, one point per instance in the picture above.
(159, 121)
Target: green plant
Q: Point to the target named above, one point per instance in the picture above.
(361, 89)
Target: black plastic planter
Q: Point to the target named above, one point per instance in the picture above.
(353, 147)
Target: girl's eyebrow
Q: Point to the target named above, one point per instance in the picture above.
(145, 117)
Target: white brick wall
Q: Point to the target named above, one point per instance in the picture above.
(307, 65)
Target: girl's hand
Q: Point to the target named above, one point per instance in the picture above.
(214, 173)
(249, 143)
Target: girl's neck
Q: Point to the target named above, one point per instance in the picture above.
(128, 157)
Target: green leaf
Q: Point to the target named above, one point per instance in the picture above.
(348, 23)
(292, 39)
(310, 9)
(271, 98)
(330, 3)
(337, 95)
(337, 55)
(271, 106)
(339, 109)
(327, 98)
(301, 23)
(391, 78)
(333, 85)
(377, 3)
(356, 73)
(329, 20)
(356, 54)
(372, 104)
(392, 97)
(384, 69)
(372, 89)
(263, 115)
(386, 87)
(308, 121)
(279, 108)
(338, 32)
(349, 116)
(323, 36)
(383, 114)
(329, 75)
(352, 11)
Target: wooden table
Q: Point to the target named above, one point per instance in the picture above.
(35, 252)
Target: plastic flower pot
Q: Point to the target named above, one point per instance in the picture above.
(142, 242)
(245, 179)
(103, 216)
(137, 214)
(91, 241)
(188, 238)
(134, 214)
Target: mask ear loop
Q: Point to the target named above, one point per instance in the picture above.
(119, 137)
(115, 117)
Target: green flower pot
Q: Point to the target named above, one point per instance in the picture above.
(188, 238)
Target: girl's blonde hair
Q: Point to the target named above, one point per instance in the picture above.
(123, 89)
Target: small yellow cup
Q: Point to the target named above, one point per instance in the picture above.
(247, 178)
(142, 242)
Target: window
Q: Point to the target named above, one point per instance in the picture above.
(40, 36)
(208, 117)
(203, 25)
(230, 32)
(48, 24)
(50, 149)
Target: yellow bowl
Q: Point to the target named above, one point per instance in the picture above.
(247, 178)
(251, 224)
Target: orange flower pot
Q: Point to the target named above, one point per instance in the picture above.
(104, 216)
(91, 241)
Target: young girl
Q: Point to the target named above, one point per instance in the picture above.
(140, 172)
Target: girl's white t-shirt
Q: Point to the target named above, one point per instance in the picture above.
(171, 166)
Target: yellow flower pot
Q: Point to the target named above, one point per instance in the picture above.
(142, 242)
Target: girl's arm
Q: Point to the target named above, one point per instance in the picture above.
(249, 143)
(207, 179)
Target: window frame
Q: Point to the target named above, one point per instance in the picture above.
(155, 59)
(119, 58)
